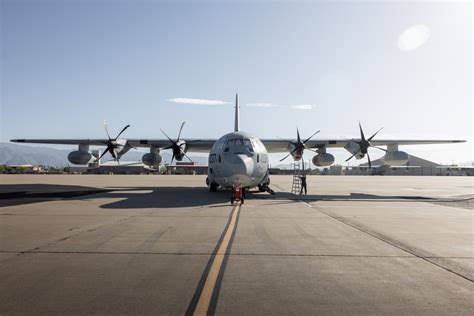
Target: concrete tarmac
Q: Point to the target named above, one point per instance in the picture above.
(90, 244)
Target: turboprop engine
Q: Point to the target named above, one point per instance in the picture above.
(178, 146)
(79, 157)
(323, 160)
(396, 158)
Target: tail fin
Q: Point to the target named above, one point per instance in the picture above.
(236, 122)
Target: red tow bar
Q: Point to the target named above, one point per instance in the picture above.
(237, 193)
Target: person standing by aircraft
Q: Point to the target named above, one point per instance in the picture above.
(303, 184)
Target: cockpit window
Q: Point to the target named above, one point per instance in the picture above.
(248, 144)
(239, 144)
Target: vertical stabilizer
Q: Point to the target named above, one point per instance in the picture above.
(236, 122)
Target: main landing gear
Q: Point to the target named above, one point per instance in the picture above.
(212, 186)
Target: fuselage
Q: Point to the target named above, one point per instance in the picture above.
(238, 157)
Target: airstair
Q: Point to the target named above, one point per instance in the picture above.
(296, 186)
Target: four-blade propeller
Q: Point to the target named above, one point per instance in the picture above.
(364, 145)
(112, 144)
(299, 146)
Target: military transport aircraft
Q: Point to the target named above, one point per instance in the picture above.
(238, 158)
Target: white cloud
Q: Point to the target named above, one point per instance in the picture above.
(262, 105)
(413, 37)
(302, 107)
(196, 101)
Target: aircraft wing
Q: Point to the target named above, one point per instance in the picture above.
(204, 145)
(194, 145)
(278, 145)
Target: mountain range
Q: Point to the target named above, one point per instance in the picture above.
(13, 154)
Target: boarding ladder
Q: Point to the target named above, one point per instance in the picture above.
(296, 186)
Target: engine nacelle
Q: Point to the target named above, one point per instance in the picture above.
(323, 160)
(79, 157)
(396, 158)
(152, 159)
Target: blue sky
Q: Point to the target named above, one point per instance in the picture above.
(68, 65)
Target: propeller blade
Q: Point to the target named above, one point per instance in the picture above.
(361, 132)
(167, 147)
(103, 154)
(370, 138)
(181, 128)
(285, 157)
(288, 154)
(298, 139)
(368, 158)
(172, 158)
(307, 139)
(352, 155)
(187, 156)
(123, 130)
(172, 141)
(106, 129)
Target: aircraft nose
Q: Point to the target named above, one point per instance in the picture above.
(243, 165)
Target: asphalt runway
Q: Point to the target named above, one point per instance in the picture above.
(91, 244)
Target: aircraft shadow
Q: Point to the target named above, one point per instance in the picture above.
(19, 194)
(137, 197)
(176, 197)
(167, 197)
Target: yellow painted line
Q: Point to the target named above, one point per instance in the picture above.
(208, 289)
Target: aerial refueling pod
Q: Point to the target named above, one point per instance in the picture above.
(79, 157)
(396, 158)
(323, 160)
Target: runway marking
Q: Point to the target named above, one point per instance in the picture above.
(204, 300)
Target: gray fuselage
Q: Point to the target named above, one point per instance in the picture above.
(238, 157)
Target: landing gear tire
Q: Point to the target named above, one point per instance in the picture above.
(261, 188)
(213, 187)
